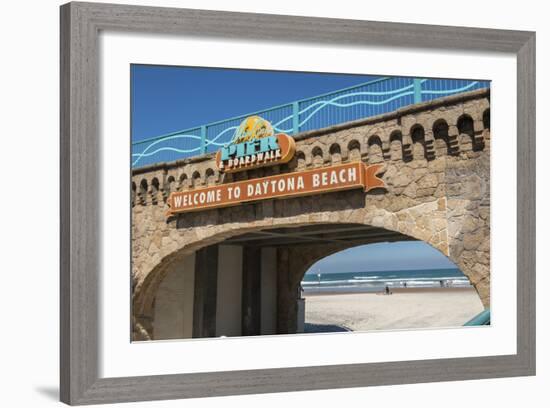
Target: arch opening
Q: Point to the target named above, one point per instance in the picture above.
(317, 154)
(396, 145)
(170, 186)
(143, 192)
(300, 160)
(335, 153)
(196, 179)
(155, 189)
(210, 177)
(182, 182)
(418, 142)
(383, 286)
(442, 143)
(374, 149)
(468, 137)
(354, 149)
(248, 282)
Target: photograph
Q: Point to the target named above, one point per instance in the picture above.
(269, 202)
(272, 204)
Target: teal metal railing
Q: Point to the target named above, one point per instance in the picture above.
(360, 101)
(482, 319)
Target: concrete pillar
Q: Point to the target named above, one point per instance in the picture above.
(229, 307)
(269, 291)
(286, 295)
(251, 291)
(205, 298)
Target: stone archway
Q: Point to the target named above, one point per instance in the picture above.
(436, 170)
(428, 222)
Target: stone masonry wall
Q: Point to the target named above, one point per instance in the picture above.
(437, 163)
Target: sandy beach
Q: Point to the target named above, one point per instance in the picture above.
(404, 309)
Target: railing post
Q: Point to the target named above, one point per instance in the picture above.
(295, 118)
(417, 85)
(203, 139)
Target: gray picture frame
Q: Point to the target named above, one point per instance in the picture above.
(80, 192)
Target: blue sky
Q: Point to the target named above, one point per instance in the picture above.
(407, 255)
(167, 99)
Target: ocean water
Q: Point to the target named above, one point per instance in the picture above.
(377, 281)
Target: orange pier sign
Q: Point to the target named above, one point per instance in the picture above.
(318, 181)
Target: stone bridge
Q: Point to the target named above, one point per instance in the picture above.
(436, 169)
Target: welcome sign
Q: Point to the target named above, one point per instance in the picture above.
(323, 180)
(254, 145)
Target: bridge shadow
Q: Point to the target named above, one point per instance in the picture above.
(324, 328)
(275, 208)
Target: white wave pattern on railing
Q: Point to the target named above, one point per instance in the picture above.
(316, 107)
(456, 90)
(332, 102)
(146, 153)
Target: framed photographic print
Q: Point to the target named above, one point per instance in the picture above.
(259, 203)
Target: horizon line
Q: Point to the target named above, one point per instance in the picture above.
(388, 270)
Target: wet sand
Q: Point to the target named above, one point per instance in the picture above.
(404, 309)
